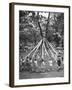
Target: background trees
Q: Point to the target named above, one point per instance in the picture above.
(31, 23)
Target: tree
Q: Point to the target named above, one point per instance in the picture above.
(58, 25)
(34, 24)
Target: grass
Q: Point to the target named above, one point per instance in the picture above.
(31, 75)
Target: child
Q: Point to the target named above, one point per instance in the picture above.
(59, 63)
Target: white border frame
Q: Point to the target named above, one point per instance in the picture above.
(16, 44)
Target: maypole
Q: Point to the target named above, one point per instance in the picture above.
(47, 51)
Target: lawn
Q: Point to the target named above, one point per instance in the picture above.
(31, 75)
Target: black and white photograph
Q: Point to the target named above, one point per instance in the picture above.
(41, 44)
(40, 40)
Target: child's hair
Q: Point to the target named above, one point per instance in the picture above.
(30, 58)
(27, 57)
(35, 59)
(42, 60)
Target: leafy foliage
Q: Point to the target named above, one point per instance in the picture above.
(30, 30)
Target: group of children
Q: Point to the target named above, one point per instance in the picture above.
(30, 64)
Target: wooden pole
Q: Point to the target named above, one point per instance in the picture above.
(47, 23)
(39, 25)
